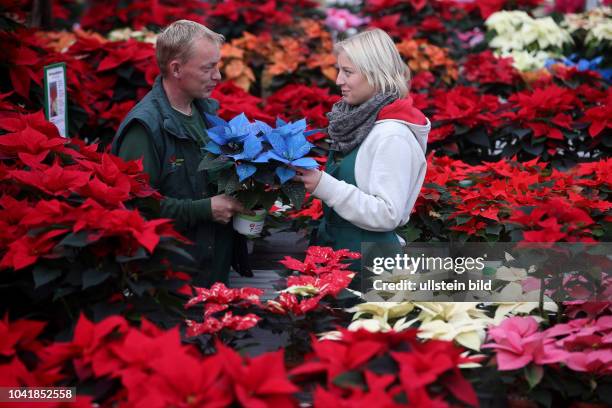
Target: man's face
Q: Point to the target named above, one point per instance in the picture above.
(199, 75)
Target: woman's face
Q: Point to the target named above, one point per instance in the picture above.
(353, 84)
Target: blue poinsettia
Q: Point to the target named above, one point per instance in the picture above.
(226, 134)
(583, 64)
(289, 146)
(237, 139)
(253, 145)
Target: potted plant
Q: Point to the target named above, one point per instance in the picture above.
(255, 163)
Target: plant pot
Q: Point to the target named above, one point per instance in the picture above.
(250, 225)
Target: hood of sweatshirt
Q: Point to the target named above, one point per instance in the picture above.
(403, 110)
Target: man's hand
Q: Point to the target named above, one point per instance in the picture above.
(310, 178)
(224, 207)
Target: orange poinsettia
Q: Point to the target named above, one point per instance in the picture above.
(423, 56)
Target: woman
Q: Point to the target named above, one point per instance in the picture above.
(376, 164)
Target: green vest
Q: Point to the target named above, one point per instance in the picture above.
(338, 233)
(180, 155)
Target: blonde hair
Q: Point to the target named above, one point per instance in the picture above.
(374, 54)
(176, 41)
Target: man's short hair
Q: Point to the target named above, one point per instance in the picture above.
(375, 55)
(176, 41)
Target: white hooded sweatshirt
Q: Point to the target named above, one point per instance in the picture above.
(389, 170)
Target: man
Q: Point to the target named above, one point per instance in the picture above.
(167, 128)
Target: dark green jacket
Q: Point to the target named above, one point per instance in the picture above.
(187, 192)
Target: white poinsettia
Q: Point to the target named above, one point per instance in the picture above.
(510, 274)
(302, 290)
(528, 60)
(505, 309)
(601, 32)
(588, 20)
(524, 302)
(505, 23)
(124, 34)
(373, 325)
(545, 32)
(462, 322)
(334, 335)
(526, 39)
(383, 310)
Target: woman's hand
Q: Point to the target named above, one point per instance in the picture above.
(310, 178)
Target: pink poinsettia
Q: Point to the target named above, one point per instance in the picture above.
(518, 342)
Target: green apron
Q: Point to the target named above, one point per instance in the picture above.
(338, 233)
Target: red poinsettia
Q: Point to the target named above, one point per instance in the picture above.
(391, 24)
(294, 102)
(222, 295)
(19, 335)
(330, 283)
(129, 226)
(599, 117)
(89, 348)
(260, 381)
(24, 62)
(26, 250)
(435, 362)
(486, 68)
(542, 107)
(112, 196)
(234, 100)
(375, 6)
(126, 51)
(466, 106)
(313, 211)
(320, 260)
(30, 135)
(176, 377)
(228, 321)
(379, 393)
(220, 298)
(287, 303)
(55, 180)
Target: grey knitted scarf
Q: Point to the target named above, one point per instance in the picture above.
(350, 124)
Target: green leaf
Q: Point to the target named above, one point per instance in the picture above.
(93, 277)
(493, 229)
(249, 198)
(43, 275)
(176, 249)
(228, 183)
(61, 292)
(410, 233)
(139, 287)
(76, 239)
(534, 149)
(349, 379)
(480, 138)
(267, 199)
(462, 219)
(533, 374)
(295, 192)
(141, 253)
(489, 271)
(211, 163)
(604, 391)
(521, 133)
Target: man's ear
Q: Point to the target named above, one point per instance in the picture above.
(175, 69)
